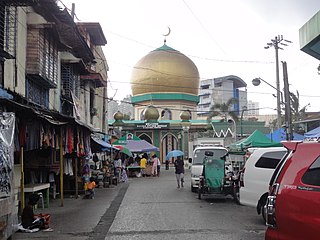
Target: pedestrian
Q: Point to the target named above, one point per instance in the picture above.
(89, 189)
(154, 165)
(143, 164)
(179, 171)
(117, 167)
(158, 167)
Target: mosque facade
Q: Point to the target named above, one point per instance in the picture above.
(165, 86)
(165, 96)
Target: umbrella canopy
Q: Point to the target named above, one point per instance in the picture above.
(174, 153)
(124, 150)
(137, 145)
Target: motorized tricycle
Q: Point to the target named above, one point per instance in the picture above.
(217, 179)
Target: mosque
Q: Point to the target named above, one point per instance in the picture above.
(165, 85)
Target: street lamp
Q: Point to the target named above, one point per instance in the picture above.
(256, 82)
(244, 108)
(278, 40)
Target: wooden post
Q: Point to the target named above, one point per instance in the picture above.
(22, 178)
(61, 168)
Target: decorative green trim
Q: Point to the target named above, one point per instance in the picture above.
(165, 47)
(165, 96)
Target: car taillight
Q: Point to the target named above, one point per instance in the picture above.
(271, 206)
(241, 177)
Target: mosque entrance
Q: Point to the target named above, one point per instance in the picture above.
(168, 143)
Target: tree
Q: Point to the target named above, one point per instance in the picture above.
(297, 113)
(223, 110)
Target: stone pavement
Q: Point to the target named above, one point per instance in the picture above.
(78, 217)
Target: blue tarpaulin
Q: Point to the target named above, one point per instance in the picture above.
(98, 145)
(4, 94)
(280, 135)
(314, 133)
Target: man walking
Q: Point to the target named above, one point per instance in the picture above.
(179, 171)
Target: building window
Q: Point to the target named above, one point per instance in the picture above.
(166, 114)
(70, 81)
(1, 72)
(42, 56)
(8, 31)
(37, 94)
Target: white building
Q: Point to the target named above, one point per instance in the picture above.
(220, 90)
(252, 109)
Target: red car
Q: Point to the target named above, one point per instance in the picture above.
(293, 205)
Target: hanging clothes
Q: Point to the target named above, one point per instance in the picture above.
(68, 169)
(70, 140)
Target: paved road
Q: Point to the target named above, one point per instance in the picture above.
(152, 208)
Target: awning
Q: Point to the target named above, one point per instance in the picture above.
(4, 94)
(140, 146)
(98, 145)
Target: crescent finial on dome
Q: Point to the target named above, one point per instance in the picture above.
(166, 35)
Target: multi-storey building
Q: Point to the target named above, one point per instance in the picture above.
(219, 91)
(53, 80)
(252, 109)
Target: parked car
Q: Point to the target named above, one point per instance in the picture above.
(292, 208)
(256, 174)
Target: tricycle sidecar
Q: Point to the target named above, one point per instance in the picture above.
(216, 179)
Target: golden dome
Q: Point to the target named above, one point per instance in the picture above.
(151, 113)
(165, 70)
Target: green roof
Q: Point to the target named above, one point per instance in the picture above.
(165, 96)
(164, 47)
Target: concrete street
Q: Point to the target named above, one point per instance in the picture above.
(150, 208)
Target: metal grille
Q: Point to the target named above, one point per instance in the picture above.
(37, 94)
(70, 81)
(49, 53)
(8, 31)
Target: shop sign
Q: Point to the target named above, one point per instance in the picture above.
(153, 125)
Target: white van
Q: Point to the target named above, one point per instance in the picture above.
(256, 174)
(197, 162)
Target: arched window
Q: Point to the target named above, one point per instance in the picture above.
(166, 114)
(190, 114)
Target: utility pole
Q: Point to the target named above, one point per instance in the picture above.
(275, 43)
(288, 116)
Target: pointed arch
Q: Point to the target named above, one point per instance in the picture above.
(168, 143)
(146, 137)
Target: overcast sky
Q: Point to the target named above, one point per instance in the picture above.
(222, 37)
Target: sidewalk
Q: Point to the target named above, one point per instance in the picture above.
(77, 218)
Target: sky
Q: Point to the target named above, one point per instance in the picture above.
(222, 37)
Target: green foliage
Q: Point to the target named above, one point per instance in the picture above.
(223, 110)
